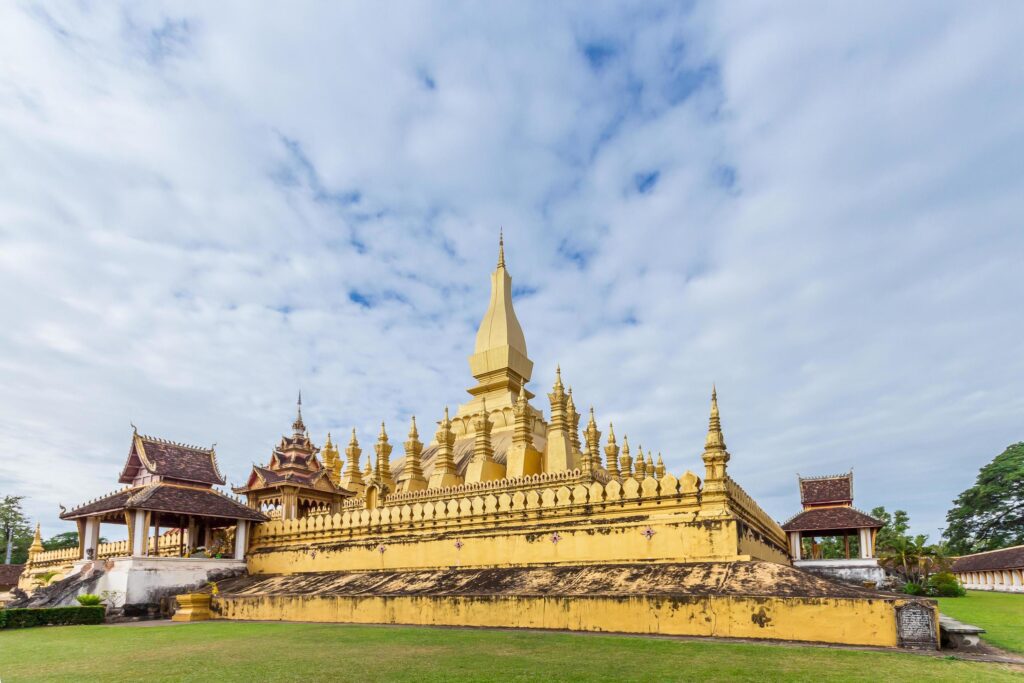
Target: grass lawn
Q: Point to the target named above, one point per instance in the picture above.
(1000, 614)
(238, 651)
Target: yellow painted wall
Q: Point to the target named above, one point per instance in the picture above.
(826, 620)
(529, 542)
(649, 521)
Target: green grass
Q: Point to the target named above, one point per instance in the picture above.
(1000, 614)
(238, 651)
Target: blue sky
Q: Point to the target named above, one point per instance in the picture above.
(204, 209)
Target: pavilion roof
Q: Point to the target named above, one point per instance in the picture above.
(992, 560)
(834, 488)
(831, 519)
(9, 574)
(162, 497)
(264, 477)
(171, 460)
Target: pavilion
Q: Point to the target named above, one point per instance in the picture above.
(294, 484)
(828, 513)
(170, 486)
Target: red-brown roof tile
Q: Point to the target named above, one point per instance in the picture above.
(825, 519)
(993, 560)
(178, 461)
(820, 490)
(167, 498)
(9, 574)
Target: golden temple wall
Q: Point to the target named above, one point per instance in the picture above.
(546, 519)
(848, 621)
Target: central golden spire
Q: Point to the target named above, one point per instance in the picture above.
(499, 361)
(500, 328)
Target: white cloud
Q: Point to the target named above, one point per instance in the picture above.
(818, 208)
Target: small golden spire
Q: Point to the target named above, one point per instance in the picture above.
(625, 459)
(37, 543)
(383, 451)
(714, 440)
(715, 456)
(413, 433)
(612, 453)
(659, 469)
(501, 248)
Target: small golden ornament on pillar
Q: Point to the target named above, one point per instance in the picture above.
(414, 479)
(612, 452)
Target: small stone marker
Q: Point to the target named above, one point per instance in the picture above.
(915, 626)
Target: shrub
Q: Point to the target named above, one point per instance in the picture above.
(88, 599)
(52, 616)
(945, 585)
(911, 588)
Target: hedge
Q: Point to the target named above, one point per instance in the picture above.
(52, 616)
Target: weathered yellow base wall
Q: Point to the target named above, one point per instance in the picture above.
(824, 620)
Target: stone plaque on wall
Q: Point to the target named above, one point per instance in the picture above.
(915, 626)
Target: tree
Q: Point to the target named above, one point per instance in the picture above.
(895, 526)
(14, 525)
(912, 558)
(990, 514)
(68, 539)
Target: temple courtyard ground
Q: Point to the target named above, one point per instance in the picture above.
(241, 651)
(1000, 614)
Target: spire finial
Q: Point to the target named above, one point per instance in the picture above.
(413, 432)
(715, 440)
(501, 247)
(298, 427)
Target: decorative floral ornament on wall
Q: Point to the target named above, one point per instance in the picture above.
(381, 548)
(459, 544)
(556, 537)
(649, 533)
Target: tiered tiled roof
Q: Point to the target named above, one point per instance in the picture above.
(171, 460)
(831, 518)
(831, 489)
(9, 574)
(992, 560)
(160, 497)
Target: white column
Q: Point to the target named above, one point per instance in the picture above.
(92, 538)
(865, 543)
(139, 534)
(794, 544)
(241, 539)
